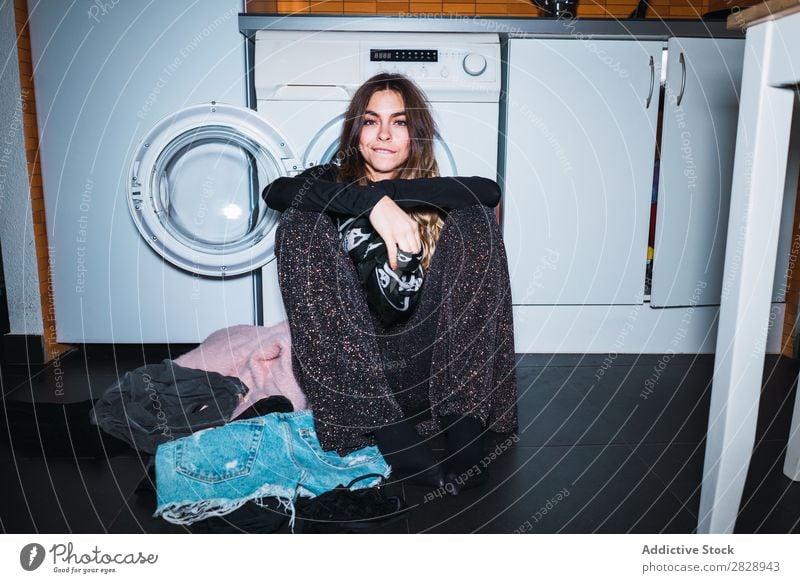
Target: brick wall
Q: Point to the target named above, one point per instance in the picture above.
(586, 9)
(31, 132)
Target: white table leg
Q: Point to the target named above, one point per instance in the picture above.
(762, 144)
(791, 465)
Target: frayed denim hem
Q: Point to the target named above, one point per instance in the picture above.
(188, 512)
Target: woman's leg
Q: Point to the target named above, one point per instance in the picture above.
(472, 366)
(459, 344)
(473, 383)
(456, 353)
(335, 356)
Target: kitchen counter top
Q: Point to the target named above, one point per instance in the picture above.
(771, 10)
(608, 28)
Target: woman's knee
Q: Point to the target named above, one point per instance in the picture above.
(474, 210)
(293, 219)
(475, 224)
(299, 229)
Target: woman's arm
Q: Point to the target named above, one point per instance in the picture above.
(316, 190)
(443, 192)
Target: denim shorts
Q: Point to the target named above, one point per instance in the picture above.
(215, 471)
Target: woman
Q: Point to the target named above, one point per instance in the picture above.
(449, 366)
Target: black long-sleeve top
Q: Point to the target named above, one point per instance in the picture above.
(316, 189)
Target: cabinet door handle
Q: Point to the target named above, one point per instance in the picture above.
(652, 82)
(683, 78)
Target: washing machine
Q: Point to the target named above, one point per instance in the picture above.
(152, 168)
(305, 80)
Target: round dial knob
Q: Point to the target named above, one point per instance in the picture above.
(474, 64)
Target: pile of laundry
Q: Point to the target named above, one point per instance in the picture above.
(232, 435)
(236, 373)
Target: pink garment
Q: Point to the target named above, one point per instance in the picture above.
(260, 357)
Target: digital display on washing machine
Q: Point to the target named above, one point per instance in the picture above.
(404, 55)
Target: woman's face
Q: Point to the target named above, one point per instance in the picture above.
(384, 142)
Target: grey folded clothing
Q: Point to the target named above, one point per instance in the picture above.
(160, 402)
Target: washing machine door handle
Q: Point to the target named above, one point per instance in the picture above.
(293, 166)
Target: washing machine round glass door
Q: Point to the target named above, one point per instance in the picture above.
(325, 143)
(195, 188)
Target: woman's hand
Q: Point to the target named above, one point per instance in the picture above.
(396, 229)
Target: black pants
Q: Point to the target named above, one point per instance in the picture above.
(455, 355)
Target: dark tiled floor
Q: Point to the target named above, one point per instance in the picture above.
(604, 445)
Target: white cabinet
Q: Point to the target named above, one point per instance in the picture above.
(582, 121)
(701, 109)
(701, 112)
(581, 118)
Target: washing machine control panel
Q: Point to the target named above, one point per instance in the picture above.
(404, 55)
(332, 65)
(428, 66)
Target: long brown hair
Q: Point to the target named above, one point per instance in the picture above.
(421, 161)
